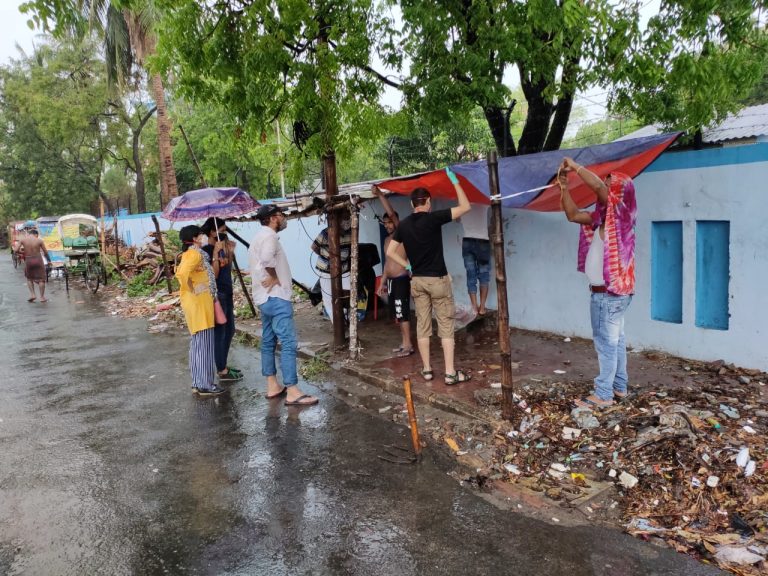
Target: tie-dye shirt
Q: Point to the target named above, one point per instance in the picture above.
(619, 216)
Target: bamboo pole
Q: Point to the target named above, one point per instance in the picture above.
(353, 347)
(162, 252)
(412, 417)
(117, 243)
(497, 238)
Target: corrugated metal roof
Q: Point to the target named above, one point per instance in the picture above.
(750, 122)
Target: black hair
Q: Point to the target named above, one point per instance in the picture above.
(33, 231)
(213, 223)
(386, 215)
(187, 236)
(419, 197)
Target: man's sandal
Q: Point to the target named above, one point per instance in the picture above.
(427, 375)
(457, 378)
(586, 402)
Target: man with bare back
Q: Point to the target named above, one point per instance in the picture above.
(33, 249)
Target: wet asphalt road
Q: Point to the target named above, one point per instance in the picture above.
(109, 465)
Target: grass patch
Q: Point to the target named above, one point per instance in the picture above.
(244, 312)
(315, 368)
(139, 285)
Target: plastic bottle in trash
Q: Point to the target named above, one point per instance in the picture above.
(715, 424)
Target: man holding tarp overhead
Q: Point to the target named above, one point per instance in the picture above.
(607, 256)
(431, 289)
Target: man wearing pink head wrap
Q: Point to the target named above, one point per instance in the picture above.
(607, 256)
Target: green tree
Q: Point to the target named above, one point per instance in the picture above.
(687, 68)
(694, 64)
(127, 31)
(58, 129)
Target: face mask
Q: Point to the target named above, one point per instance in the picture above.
(203, 239)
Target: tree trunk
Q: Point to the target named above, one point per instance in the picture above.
(168, 187)
(141, 197)
(564, 103)
(560, 123)
(539, 112)
(141, 200)
(498, 122)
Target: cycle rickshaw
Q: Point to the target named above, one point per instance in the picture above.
(82, 256)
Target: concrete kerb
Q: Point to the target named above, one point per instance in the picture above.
(387, 383)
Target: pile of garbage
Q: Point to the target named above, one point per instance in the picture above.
(162, 309)
(689, 464)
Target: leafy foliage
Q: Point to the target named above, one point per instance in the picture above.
(58, 128)
(303, 63)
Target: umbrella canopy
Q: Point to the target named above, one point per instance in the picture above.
(207, 202)
(527, 181)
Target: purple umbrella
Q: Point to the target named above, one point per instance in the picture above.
(207, 202)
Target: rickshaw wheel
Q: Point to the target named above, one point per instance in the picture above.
(66, 279)
(15, 258)
(92, 274)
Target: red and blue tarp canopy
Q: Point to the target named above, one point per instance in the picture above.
(528, 181)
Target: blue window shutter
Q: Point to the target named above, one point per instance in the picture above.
(667, 271)
(712, 273)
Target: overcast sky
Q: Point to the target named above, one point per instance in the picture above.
(13, 30)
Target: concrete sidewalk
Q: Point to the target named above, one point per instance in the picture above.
(538, 358)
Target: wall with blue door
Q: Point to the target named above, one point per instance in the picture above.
(702, 260)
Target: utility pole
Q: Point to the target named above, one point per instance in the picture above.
(331, 189)
(497, 239)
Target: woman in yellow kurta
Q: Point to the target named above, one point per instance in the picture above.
(197, 286)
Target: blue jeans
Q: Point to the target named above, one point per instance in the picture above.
(477, 262)
(223, 333)
(607, 313)
(277, 324)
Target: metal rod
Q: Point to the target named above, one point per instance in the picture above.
(412, 417)
(162, 252)
(497, 238)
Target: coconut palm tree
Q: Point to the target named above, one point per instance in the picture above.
(129, 40)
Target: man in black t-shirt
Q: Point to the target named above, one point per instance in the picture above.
(421, 234)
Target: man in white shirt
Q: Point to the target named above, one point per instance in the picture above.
(272, 291)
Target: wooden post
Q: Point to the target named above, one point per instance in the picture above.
(412, 417)
(117, 242)
(162, 252)
(497, 239)
(353, 273)
(242, 285)
(334, 249)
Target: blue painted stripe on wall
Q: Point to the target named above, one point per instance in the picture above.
(712, 273)
(709, 157)
(667, 271)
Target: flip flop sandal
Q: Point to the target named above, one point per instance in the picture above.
(235, 371)
(457, 378)
(298, 401)
(230, 376)
(625, 398)
(427, 375)
(403, 352)
(276, 394)
(591, 404)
